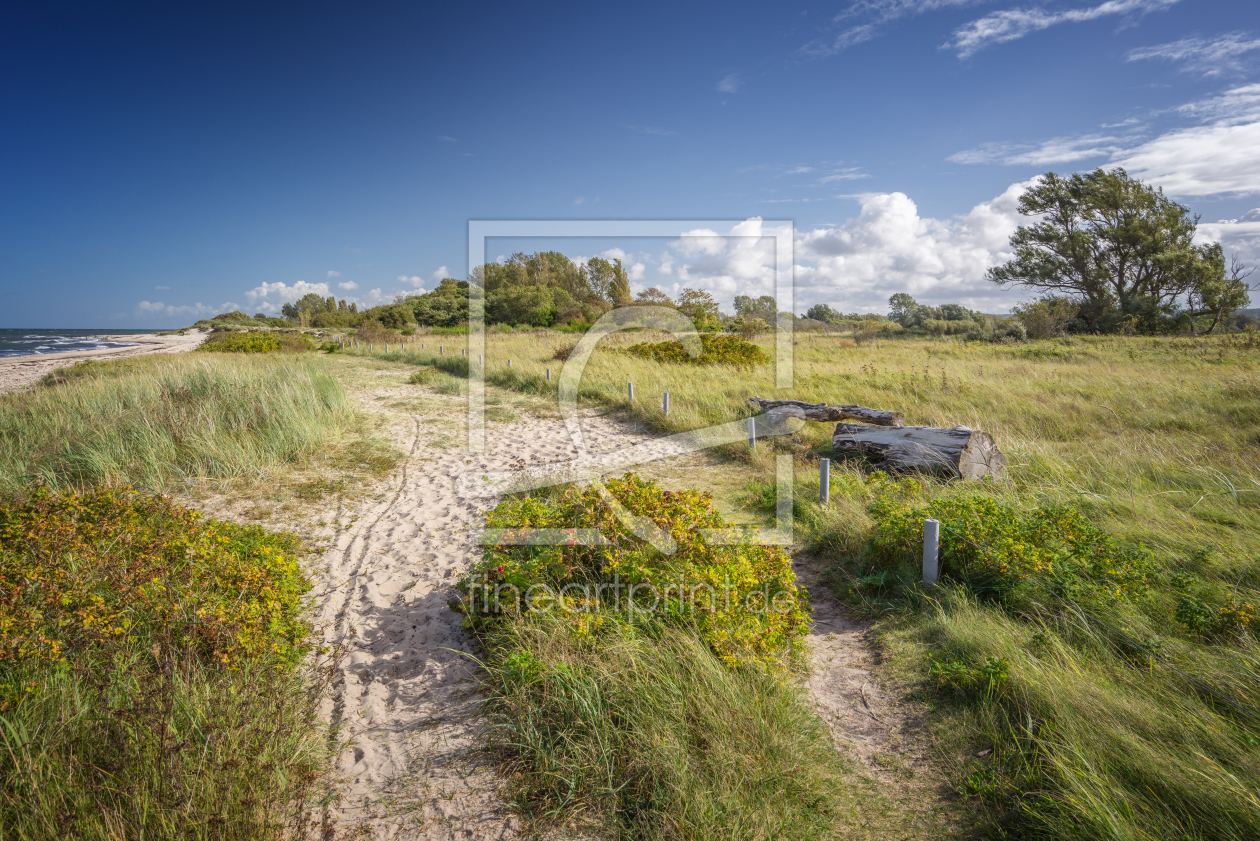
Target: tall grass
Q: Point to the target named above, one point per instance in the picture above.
(166, 419)
(646, 734)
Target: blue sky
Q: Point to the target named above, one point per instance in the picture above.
(158, 163)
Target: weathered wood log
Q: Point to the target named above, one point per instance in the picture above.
(823, 412)
(968, 453)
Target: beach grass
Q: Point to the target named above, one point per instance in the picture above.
(153, 421)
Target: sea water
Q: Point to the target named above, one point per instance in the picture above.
(30, 342)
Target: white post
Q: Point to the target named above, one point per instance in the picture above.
(630, 391)
(824, 480)
(440, 350)
(463, 352)
(752, 433)
(387, 347)
(548, 375)
(479, 360)
(509, 363)
(665, 402)
(931, 548)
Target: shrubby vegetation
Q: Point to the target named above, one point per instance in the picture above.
(151, 677)
(715, 350)
(257, 342)
(671, 720)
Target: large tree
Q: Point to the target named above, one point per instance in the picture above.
(1119, 246)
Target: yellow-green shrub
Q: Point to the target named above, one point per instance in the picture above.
(742, 599)
(86, 571)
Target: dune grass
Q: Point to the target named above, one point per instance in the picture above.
(645, 733)
(150, 422)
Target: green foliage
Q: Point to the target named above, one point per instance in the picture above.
(150, 674)
(982, 680)
(994, 546)
(1120, 247)
(80, 572)
(743, 600)
(717, 350)
(256, 342)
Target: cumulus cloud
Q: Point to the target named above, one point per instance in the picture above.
(1210, 57)
(334, 274)
(1240, 237)
(272, 295)
(890, 248)
(1012, 24)
(348, 285)
(730, 83)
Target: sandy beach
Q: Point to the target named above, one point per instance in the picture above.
(17, 372)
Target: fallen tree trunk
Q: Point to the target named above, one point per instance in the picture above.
(968, 453)
(823, 412)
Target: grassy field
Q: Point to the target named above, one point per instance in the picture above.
(1102, 704)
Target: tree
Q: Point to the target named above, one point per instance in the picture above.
(1046, 318)
(653, 297)
(700, 307)
(903, 309)
(1216, 292)
(824, 313)
(764, 307)
(1120, 246)
(608, 281)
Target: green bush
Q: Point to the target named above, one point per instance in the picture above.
(742, 600)
(994, 546)
(717, 350)
(256, 342)
(152, 677)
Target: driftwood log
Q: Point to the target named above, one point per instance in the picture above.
(968, 453)
(823, 412)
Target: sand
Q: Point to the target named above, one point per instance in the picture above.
(17, 372)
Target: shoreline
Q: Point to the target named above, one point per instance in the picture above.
(19, 372)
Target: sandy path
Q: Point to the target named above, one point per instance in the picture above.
(407, 693)
(17, 372)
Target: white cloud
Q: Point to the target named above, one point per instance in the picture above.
(334, 274)
(1012, 24)
(415, 281)
(161, 289)
(848, 174)
(1219, 156)
(272, 295)
(157, 308)
(799, 170)
(1055, 150)
(730, 83)
(636, 271)
(1200, 161)
(579, 200)
(440, 274)
(889, 248)
(447, 139)
(872, 14)
(1213, 57)
(348, 285)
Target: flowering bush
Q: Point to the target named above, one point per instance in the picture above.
(742, 599)
(717, 350)
(84, 571)
(257, 342)
(981, 537)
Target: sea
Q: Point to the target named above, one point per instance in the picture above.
(32, 342)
